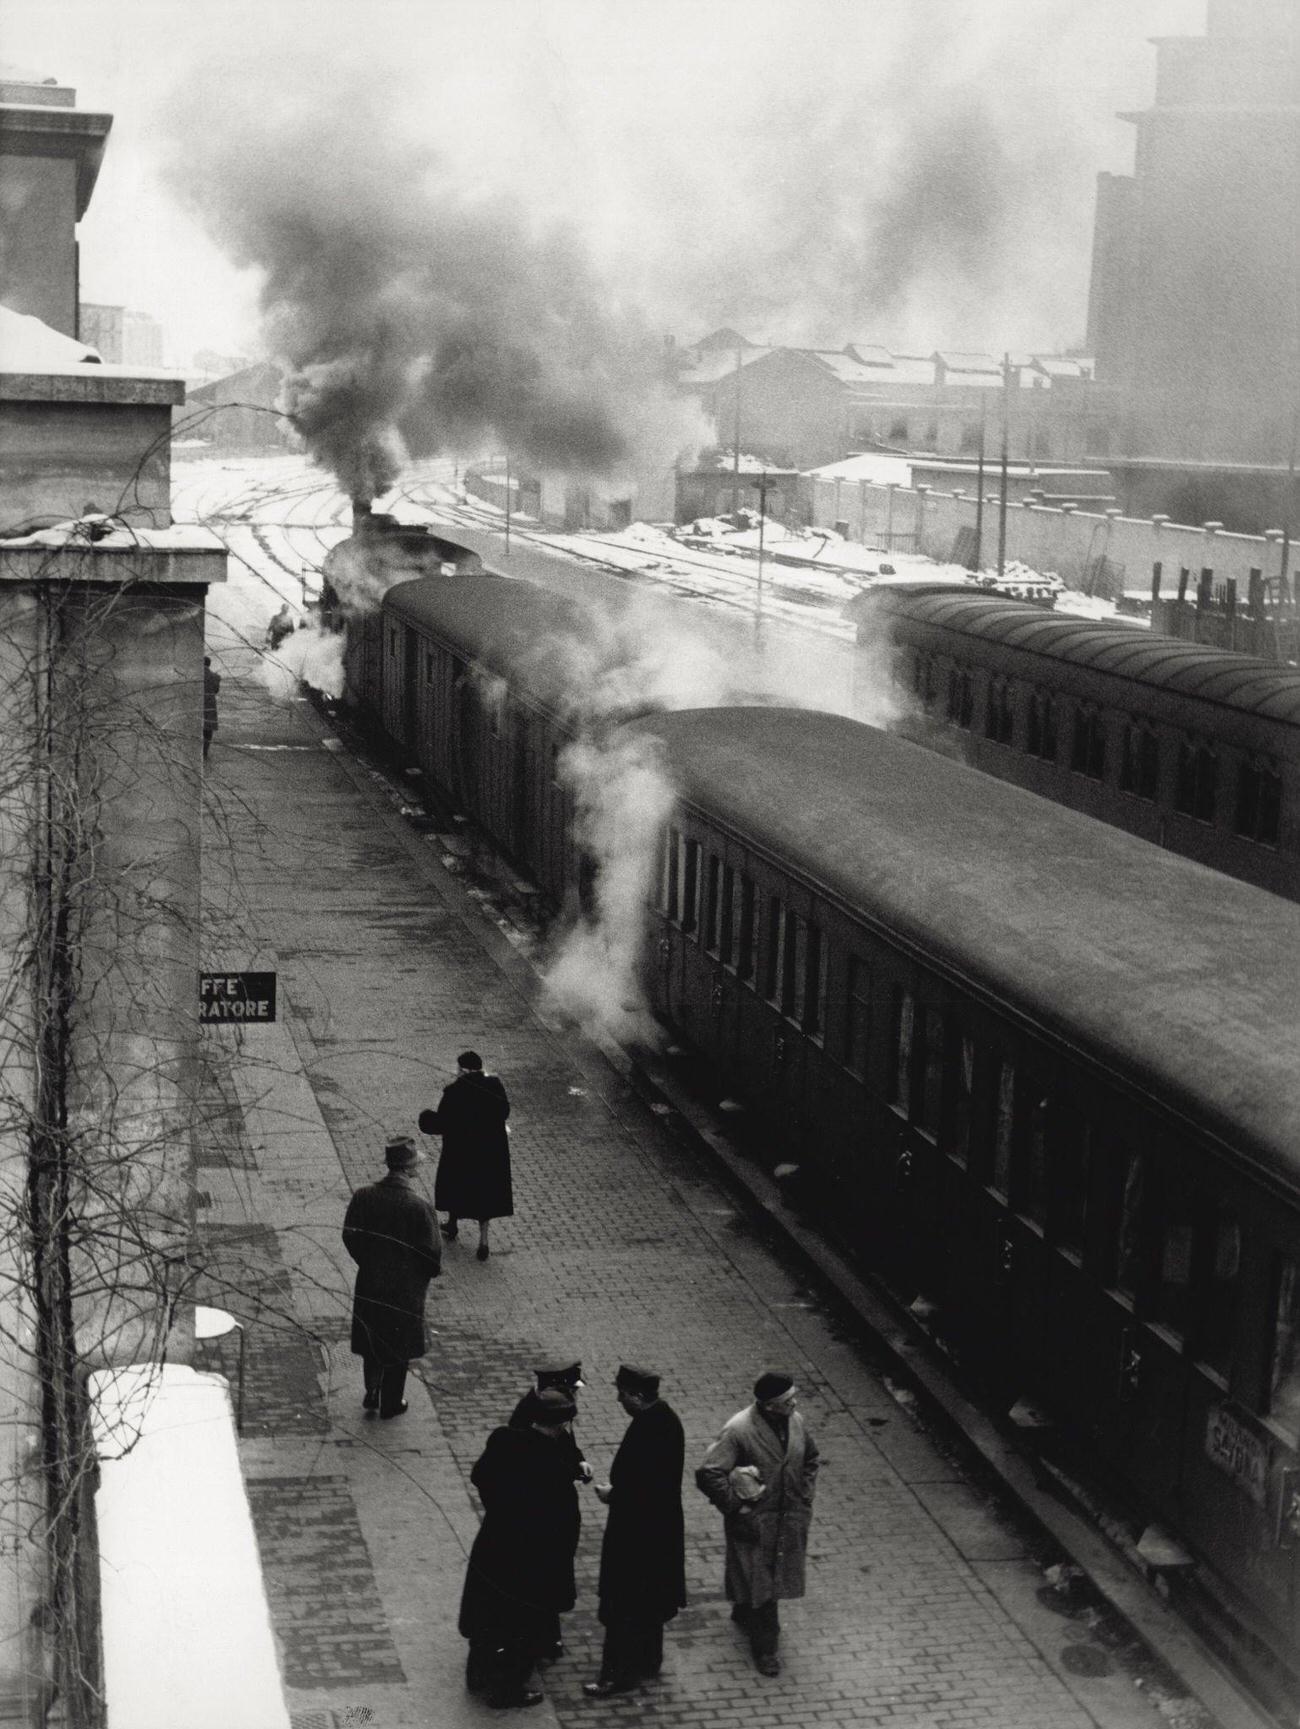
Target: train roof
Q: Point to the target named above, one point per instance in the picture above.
(1193, 669)
(503, 622)
(1182, 980)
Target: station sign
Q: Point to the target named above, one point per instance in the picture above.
(236, 998)
(1237, 1452)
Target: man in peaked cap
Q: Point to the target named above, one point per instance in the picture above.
(520, 1579)
(643, 1556)
(564, 1373)
(391, 1232)
(760, 1474)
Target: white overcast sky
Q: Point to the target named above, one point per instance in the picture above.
(918, 172)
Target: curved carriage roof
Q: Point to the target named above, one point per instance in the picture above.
(1237, 681)
(1183, 980)
(503, 622)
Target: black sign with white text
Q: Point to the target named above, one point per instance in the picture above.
(241, 997)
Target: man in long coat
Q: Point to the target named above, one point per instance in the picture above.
(473, 1180)
(760, 1474)
(643, 1556)
(520, 1572)
(392, 1235)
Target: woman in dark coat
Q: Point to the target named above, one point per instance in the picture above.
(392, 1235)
(643, 1556)
(473, 1179)
(520, 1572)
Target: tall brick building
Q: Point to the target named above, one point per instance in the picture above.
(1193, 308)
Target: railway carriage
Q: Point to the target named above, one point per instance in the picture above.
(1043, 1071)
(1193, 748)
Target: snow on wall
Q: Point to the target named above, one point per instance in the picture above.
(186, 1629)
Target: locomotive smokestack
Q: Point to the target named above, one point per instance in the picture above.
(361, 512)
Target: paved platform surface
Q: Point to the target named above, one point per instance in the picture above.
(926, 1604)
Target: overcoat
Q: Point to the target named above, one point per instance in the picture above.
(520, 1573)
(766, 1538)
(211, 685)
(522, 1418)
(473, 1180)
(392, 1235)
(643, 1556)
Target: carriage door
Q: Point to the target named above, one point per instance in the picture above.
(410, 689)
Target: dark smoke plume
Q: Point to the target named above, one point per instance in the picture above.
(414, 318)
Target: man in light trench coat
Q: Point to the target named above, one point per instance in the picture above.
(760, 1474)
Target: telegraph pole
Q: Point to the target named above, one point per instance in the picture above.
(979, 495)
(1006, 438)
(762, 521)
(507, 504)
(735, 454)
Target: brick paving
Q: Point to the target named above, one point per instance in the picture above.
(924, 1605)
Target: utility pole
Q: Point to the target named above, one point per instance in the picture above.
(762, 521)
(507, 504)
(1006, 438)
(978, 554)
(735, 454)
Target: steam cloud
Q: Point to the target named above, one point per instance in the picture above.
(415, 317)
(310, 656)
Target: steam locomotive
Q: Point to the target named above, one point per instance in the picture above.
(1043, 1072)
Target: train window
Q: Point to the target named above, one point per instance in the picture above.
(1088, 747)
(927, 695)
(1072, 1150)
(392, 643)
(1284, 1374)
(901, 1015)
(794, 974)
(961, 1100)
(1032, 1200)
(1174, 1283)
(670, 872)
(814, 1016)
(1041, 734)
(428, 666)
(1259, 801)
(712, 904)
(727, 931)
(1218, 1300)
(1003, 1128)
(1126, 1258)
(742, 928)
(555, 766)
(1139, 769)
(1197, 772)
(775, 974)
(930, 1104)
(918, 674)
(690, 883)
(999, 717)
(857, 1017)
(961, 696)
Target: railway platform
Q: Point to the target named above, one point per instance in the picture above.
(931, 1602)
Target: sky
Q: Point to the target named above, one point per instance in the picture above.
(914, 172)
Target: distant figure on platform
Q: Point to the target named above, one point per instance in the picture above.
(211, 685)
(392, 1235)
(473, 1179)
(520, 1574)
(565, 1374)
(281, 625)
(643, 1556)
(760, 1474)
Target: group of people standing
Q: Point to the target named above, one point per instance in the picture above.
(760, 1472)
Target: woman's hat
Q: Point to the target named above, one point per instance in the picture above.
(552, 1406)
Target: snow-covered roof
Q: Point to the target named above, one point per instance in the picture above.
(959, 362)
(718, 363)
(28, 345)
(870, 466)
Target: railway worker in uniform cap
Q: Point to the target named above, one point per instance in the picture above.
(760, 1474)
(392, 1234)
(519, 1579)
(643, 1556)
(473, 1180)
(565, 1373)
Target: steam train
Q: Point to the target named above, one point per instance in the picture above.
(1193, 748)
(1044, 1072)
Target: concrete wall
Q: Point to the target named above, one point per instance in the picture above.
(38, 248)
(62, 459)
(1066, 541)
